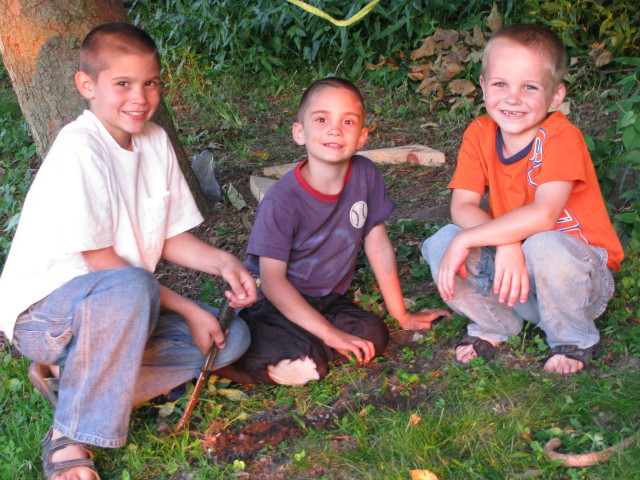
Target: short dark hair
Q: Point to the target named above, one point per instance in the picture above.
(537, 38)
(119, 38)
(318, 85)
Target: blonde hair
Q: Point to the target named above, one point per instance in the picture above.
(537, 38)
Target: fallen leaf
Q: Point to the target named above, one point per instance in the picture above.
(414, 419)
(461, 86)
(494, 20)
(457, 55)
(419, 71)
(234, 197)
(446, 38)
(232, 394)
(432, 88)
(428, 48)
(474, 57)
(475, 38)
(448, 70)
(600, 57)
(167, 409)
(423, 475)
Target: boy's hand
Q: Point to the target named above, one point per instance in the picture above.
(452, 264)
(191, 252)
(511, 280)
(205, 329)
(346, 344)
(423, 319)
(243, 291)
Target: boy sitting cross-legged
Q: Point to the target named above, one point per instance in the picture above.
(77, 292)
(545, 249)
(303, 247)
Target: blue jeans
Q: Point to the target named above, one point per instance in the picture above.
(570, 286)
(118, 349)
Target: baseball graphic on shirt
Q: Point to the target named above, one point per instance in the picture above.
(358, 214)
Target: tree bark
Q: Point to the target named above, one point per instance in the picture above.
(39, 44)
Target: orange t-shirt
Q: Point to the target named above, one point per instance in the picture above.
(558, 153)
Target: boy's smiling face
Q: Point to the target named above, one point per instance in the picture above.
(331, 126)
(125, 95)
(518, 91)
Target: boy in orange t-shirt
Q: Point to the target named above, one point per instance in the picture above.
(545, 249)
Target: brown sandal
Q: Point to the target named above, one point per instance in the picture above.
(52, 469)
(44, 382)
(483, 349)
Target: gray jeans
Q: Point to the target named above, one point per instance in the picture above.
(570, 287)
(118, 349)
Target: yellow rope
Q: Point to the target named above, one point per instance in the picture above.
(340, 23)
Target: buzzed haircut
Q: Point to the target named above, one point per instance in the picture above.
(318, 85)
(537, 38)
(113, 38)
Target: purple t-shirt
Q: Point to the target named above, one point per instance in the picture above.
(318, 235)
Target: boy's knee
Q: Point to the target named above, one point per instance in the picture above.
(549, 251)
(137, 281)
(433, 248)
(294, 372)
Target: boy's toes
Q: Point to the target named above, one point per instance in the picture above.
(563, 364)
(465, 354)
(66, 459)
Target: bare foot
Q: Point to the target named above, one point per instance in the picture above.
(72, 452)
(466, 353)
(563, 364)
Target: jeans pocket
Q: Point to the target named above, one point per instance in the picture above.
(42, 340)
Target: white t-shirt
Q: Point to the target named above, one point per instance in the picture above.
(90, 194)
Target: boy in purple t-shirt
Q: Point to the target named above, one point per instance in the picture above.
(303, 247)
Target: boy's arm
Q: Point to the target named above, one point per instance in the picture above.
(203, 325)
(382, 258)
(189, 251)
(506, 232)
(284, 296)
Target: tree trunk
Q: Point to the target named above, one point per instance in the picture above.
(39, 43)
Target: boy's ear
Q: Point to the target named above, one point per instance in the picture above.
(298, 133)
(558, 96)
(362, 138)
(84, 84)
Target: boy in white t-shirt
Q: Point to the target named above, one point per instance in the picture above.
(77, 290)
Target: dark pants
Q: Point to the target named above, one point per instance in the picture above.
(274, 338)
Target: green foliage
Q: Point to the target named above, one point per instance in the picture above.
(584, 22)
(617, 155)
(17, 159)
(266, 36)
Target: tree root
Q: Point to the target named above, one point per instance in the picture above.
(585, 459)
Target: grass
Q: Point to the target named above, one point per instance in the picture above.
(410, 409)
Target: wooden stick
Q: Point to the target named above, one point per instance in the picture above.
(225, 317)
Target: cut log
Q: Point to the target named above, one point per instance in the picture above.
(259, 186)
(278, 170)
(415, 154)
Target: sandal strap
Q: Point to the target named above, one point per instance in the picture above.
(53, 469)
(572, 351)
(482, 347)
(50, 446)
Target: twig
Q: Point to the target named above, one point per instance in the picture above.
(585, 459)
